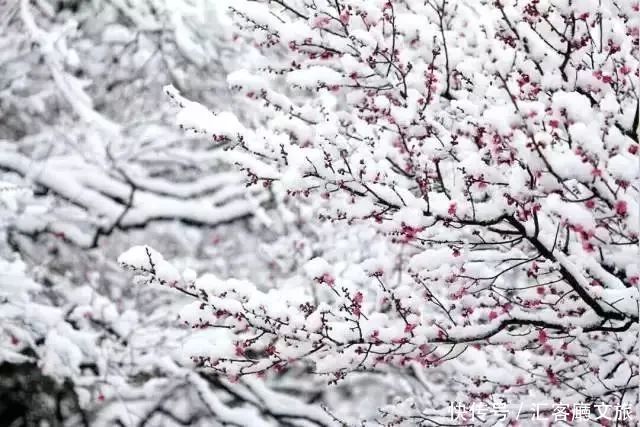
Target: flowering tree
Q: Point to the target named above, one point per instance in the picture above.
(490, 150)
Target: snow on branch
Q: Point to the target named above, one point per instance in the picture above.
(491, 149)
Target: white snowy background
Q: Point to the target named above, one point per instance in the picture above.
(319, 212)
